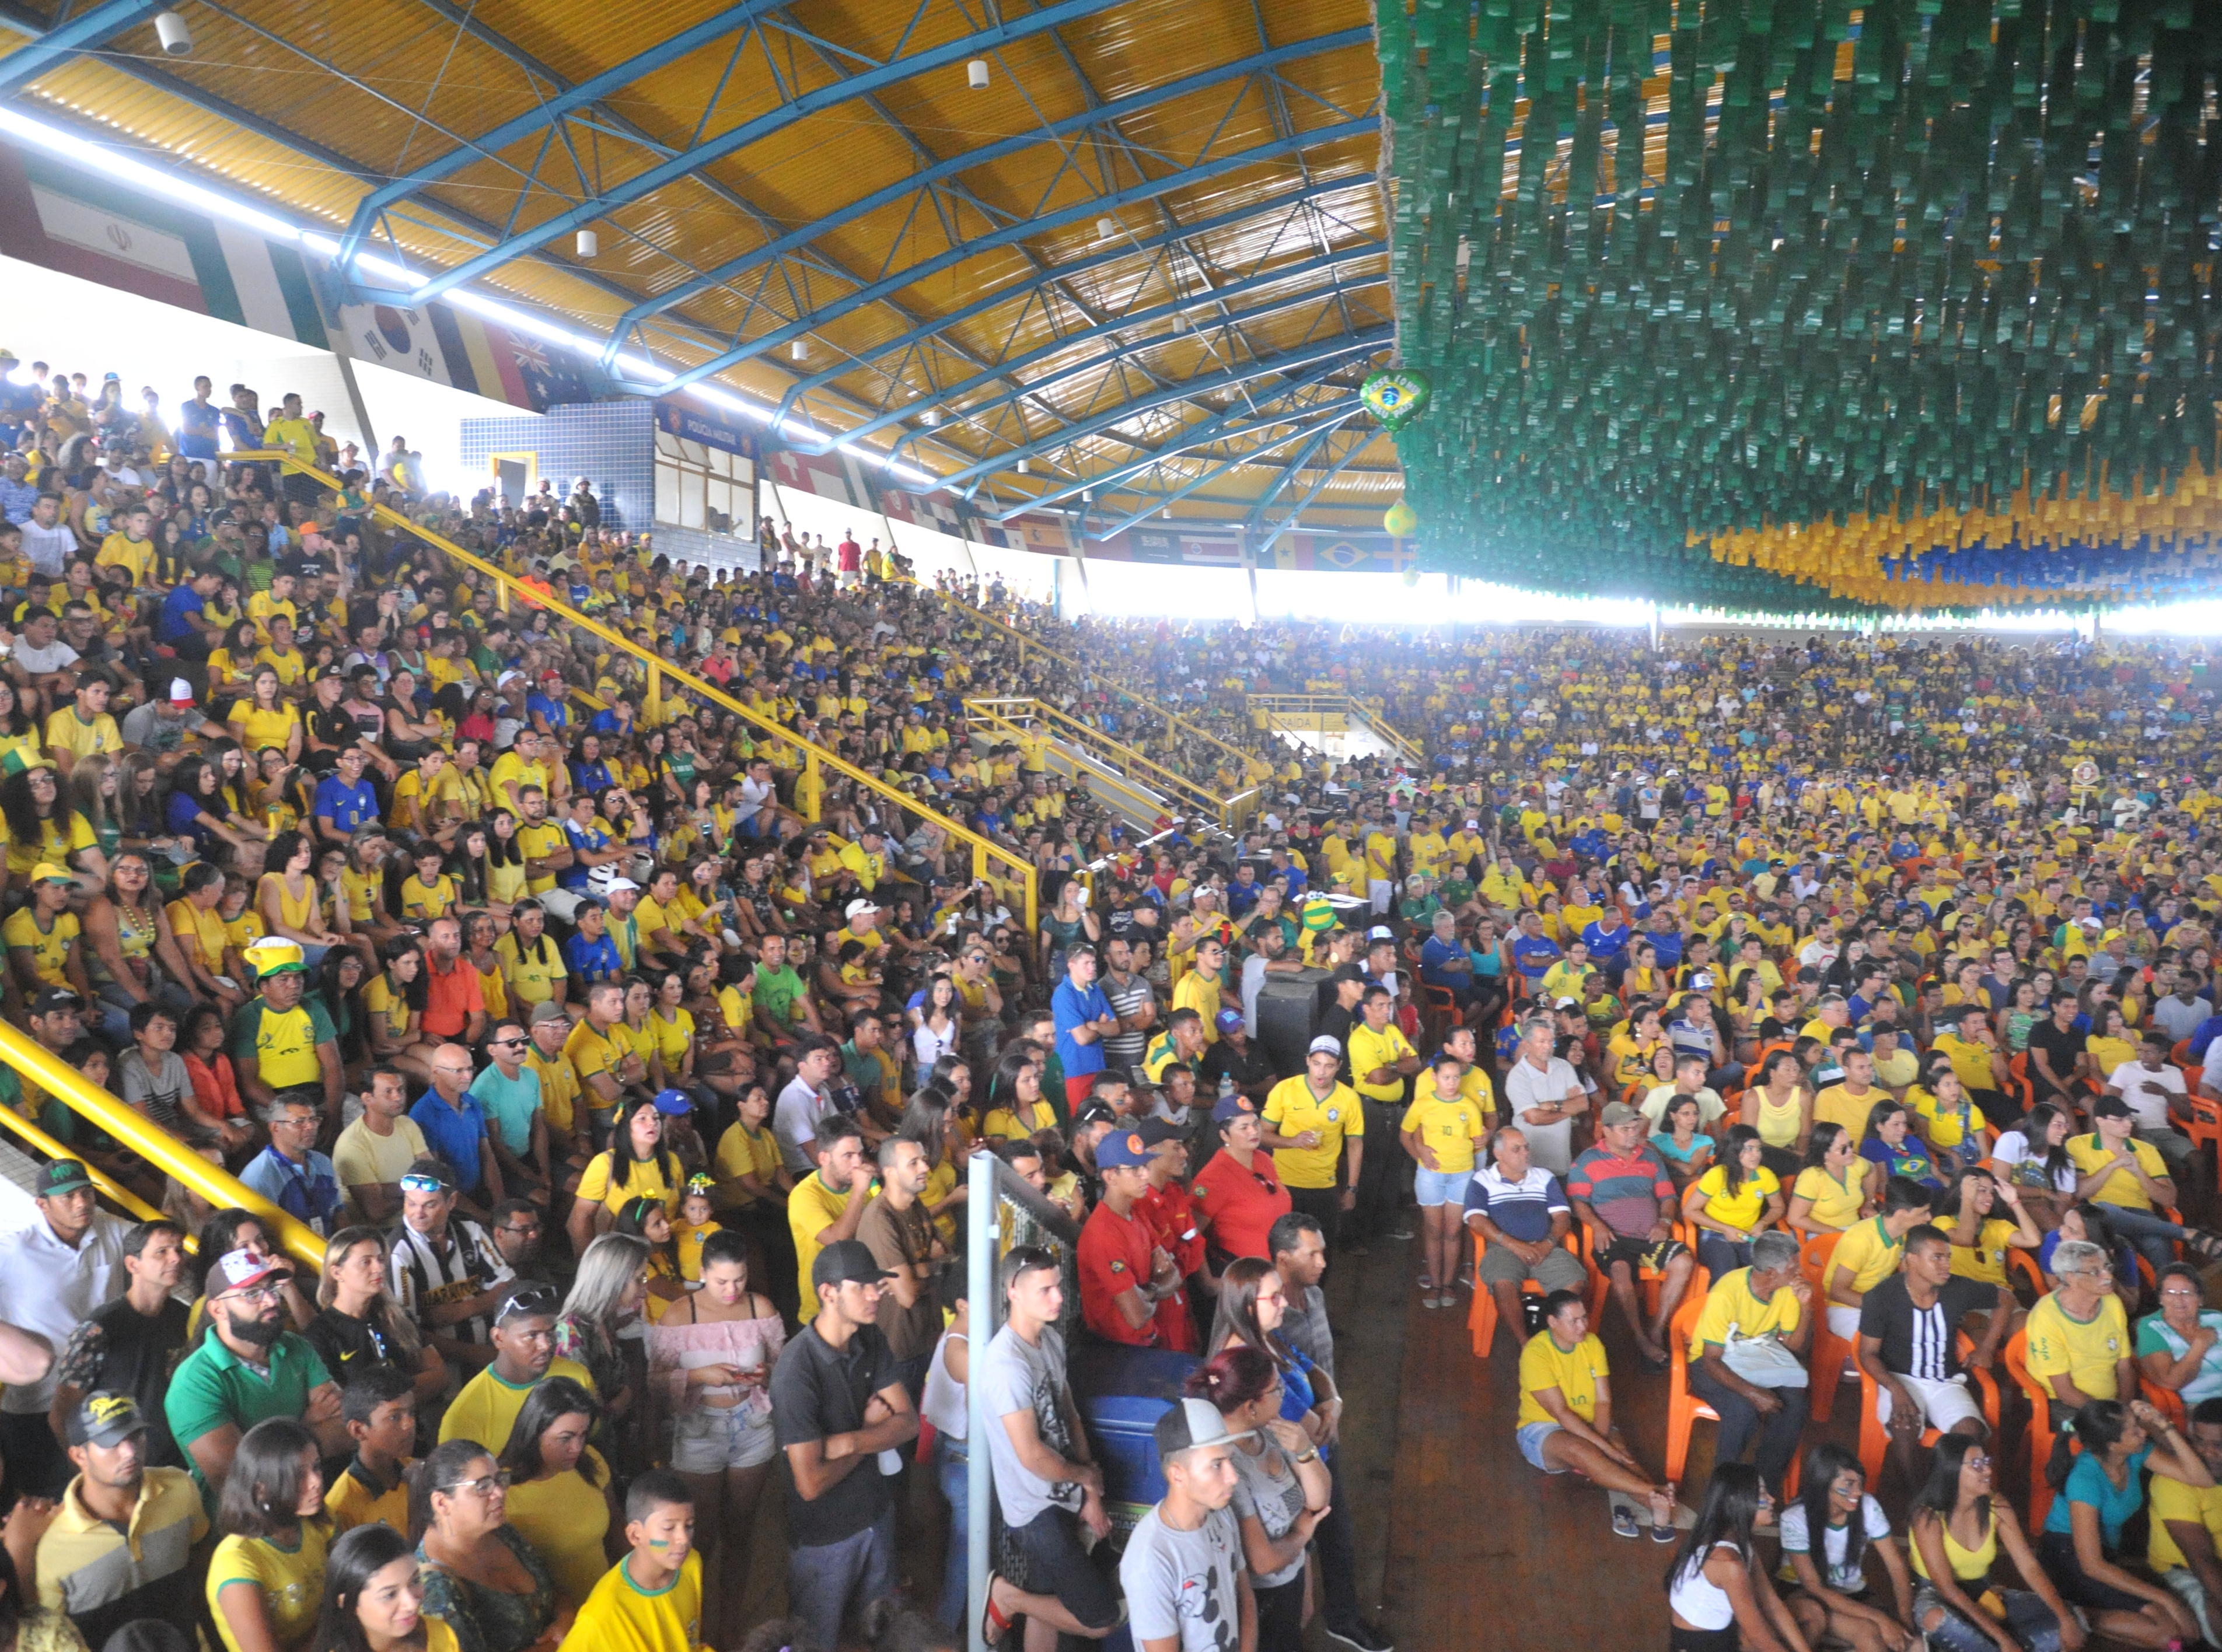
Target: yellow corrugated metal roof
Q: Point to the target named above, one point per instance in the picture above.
(354, 96)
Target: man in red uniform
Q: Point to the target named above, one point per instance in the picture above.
(1171, 1212)
(1125, 1274)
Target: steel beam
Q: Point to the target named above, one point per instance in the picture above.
(814, 101)
(86, 32)
(1256, 516)
(1004, 369)
(1310, 493)
(1304, 355)
(546, 113)
(956, 165)
(1317, 434)
(1148, 190)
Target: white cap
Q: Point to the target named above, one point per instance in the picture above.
(1325, 1043)
(181, 692)
(616, 884)
(857, 909)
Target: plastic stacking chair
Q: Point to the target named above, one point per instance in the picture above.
(1683, 1408)
(1874, 1437)
(1829, 1351)
(1648, 1281)
(2037, 1438)
(2166, 1401)
(1481, 1317)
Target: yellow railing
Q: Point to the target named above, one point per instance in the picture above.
(1327, 714)
(1173, 719)
(40, 1066)
(1010, 717)
(1017, 873)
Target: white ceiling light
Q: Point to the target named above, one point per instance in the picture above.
(1106, 228)
(1022, 468)
(930, 417)
(590, 244)
(975, 74)
(170, 28)
(799, 350)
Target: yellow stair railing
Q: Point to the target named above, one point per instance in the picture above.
(1325, 713)
(1016, 873)
(1173, 719)
(39, 1067)
(1010, 717)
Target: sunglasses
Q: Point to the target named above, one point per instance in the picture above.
(505, 1044)
(423, 1184)
(528, 1304)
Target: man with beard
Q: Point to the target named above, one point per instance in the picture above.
(247, 1367)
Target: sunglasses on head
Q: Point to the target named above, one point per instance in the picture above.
(423, 1184)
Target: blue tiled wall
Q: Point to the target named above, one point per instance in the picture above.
(612, 443)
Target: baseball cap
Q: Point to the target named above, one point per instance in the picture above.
(59, 1176)
(617, 884)
(1228, 1020)
(1121, 1148)
(1155, 1132)
(1381, 932)
(1618, 1112)
(105, 1417)
(1325, 1043)
(181, 692)
(674, 1102)
(47, 872)
(1227, 1109)
(275, 955)
(847, 1261)
(242, 1270)
(1191, 1423)
(1702, 981)
(55, 998)
(1567, 1003)
(858, 908)
(546, 1011)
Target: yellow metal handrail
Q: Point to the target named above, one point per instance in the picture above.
(1173, 718)
(1371, 711)
(114, 1191)
(1350, 708)
(1011, 709)
(1088, 767)
(33, 1061)
(1019, 872)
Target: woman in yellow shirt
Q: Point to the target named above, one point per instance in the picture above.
(1439, 1130)
(672, 1026)
(1732, 1203)
(231, 663)
(18, 732)
(288, 899)
(266, 719)
(393, 1000)
(371, 1577)
(1836, 1188)
(1985, 1218)
(267, 1577)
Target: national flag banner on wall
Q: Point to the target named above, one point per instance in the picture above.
(935, 510)
(830, 476)
(97, 229)
(1341, 553)
(1180, 546)
(459, 348)
(1040, 532)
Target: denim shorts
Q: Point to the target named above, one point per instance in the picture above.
(708, 1442)
(1441, 1187)
(1531, 1437)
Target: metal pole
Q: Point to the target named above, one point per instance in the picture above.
(980, 1235)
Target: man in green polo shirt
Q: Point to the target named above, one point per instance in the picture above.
(247, 1367)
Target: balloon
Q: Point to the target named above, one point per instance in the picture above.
(1400, 519)
(1396, 396)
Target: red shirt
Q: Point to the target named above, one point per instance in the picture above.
(450, 998)
(1171, 1216)
(1114, 1258)
(1240, 1205)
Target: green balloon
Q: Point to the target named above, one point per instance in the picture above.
(1396, 396)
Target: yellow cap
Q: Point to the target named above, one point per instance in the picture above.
(274, 955)
(47, 872)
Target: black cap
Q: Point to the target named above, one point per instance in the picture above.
(60, 1176)
(1155, 1132)
(847, 1261)
(104, 1417)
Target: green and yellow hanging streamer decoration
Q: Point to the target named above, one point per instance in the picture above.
(1790, 305)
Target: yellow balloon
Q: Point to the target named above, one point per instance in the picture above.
(1401, 519)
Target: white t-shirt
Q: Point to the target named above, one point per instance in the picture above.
(57, 655)
(2150, 1110)
(1797, 1540)
(1182, 1585)
(2012, 1148)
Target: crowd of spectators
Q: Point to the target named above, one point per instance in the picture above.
(625, 1064)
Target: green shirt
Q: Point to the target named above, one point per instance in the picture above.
(283, 1042)
(776, 993)
(213, 1387)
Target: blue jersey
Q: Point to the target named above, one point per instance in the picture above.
(593, 960)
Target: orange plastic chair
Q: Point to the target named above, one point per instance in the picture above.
(2204, 1126)
(1481, 1317)
(1874, 1437)
(1648, 1281)
(2167, 1401)
(1683, 1408)
(2037, 1438)
(1829, 1351)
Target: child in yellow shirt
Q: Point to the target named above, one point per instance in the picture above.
(695, 1224)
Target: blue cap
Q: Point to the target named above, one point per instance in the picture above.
(1121, 1148)
(674, 1101)
(1229, 1020)
(1229, 1108)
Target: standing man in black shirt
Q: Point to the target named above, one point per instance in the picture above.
(838, 1403)
(131, 1345)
